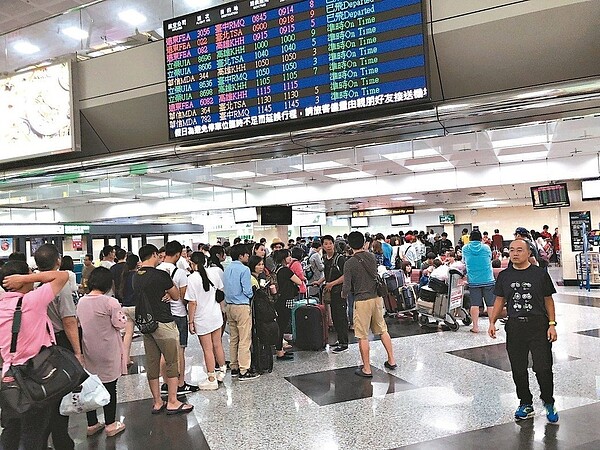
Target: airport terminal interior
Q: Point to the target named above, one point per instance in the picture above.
(145, 121)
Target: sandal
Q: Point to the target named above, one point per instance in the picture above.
(92, 430)
(119, 427)
(180, 410)
(159, 410)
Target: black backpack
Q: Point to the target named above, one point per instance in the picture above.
(144, 315)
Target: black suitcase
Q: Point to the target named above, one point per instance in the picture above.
(409, 299)
(312, 332)
(262, 356)
(439, 286)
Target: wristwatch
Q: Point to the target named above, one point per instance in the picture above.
(552, 323)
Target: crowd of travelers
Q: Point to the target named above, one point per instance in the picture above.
(174, 292)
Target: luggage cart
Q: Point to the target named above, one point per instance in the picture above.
(447, 307)
(401, 301)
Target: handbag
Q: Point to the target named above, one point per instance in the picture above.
(49, 375)
(219, 294)
(90, 396)
(382, 290)
(144, 316)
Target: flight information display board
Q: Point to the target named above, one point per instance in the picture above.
(260, 62)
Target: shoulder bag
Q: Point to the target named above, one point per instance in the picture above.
(48, 376)
(382, 290)
(144, 315)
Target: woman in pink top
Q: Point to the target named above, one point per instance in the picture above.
(296, 267)
(101, 319)
(26, 430)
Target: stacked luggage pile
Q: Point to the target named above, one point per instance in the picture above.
(401, 299)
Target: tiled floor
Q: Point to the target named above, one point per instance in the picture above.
(451, 390)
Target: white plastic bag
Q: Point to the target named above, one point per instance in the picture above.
(93, 395)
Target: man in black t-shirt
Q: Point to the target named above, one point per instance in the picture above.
(158, 288)
(333, 278)
(527, 291)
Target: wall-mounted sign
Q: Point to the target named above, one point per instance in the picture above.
(576, 219)
(447, 218)
(384, 212)
(77, 229)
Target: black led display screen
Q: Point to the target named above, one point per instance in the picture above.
(260, 62)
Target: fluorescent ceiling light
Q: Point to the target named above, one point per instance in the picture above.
(132, 17)
(279, 183)
(111, 200)
(349, 175)
(322, 165)
(165, 183)
(163, 194)
(435, 209)
(26, 48)
(518, 157)
(106, 190)
(421, 153)
(75, 33)
(522, 141)
(213, 189)
(430, 166)
(400, 199)
(241, 174)
(416, 201)
(16, 200)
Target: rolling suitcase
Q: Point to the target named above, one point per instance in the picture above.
(262, 356)
(391, 303)
(312, 332)
(409, 297)
(298, 304)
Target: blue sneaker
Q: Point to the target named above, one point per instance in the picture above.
(524, 412)
(551, 413)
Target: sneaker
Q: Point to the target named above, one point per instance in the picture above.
(340, 349)
(524, 412)
(208, 385)
(187, 388)
(551, 413)
(235, 372)
(164, 389)
(220, 373)
(248, 376)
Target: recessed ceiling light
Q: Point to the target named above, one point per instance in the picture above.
(279, 183)
(163, 194)
(518, 157)
(430, 166)
(26, 48)
(322, 165)
(435, 209)
(111, 200)
(416, 201)
(241, 174)
(349, 175)
(213, 189)
(132, 17)
(400, 199)
(75, 33)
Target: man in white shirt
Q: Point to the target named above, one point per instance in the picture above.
(108, 256)
(173, 251)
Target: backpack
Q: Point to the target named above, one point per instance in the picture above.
(144, 315)
(272, 280)
(307, 268)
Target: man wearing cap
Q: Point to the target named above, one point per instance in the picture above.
(527, 291)
(277, 244)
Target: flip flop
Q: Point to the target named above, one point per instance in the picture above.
(95, 429)
(180, 410)
(473, 331)
(360, 373)
(120, 426)
(159, 410)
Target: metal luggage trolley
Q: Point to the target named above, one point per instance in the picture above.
(447, 307)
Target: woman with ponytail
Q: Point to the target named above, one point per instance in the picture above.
(205, 318)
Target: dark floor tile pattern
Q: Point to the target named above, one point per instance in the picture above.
(594, 333)
(571, 432)
(495, 356)
(144, 431)
(574, 299)
(342, 385)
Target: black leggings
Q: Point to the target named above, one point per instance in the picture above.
(110, 410)
(284, 316)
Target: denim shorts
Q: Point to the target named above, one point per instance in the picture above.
(182, 326)
(480, 293)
